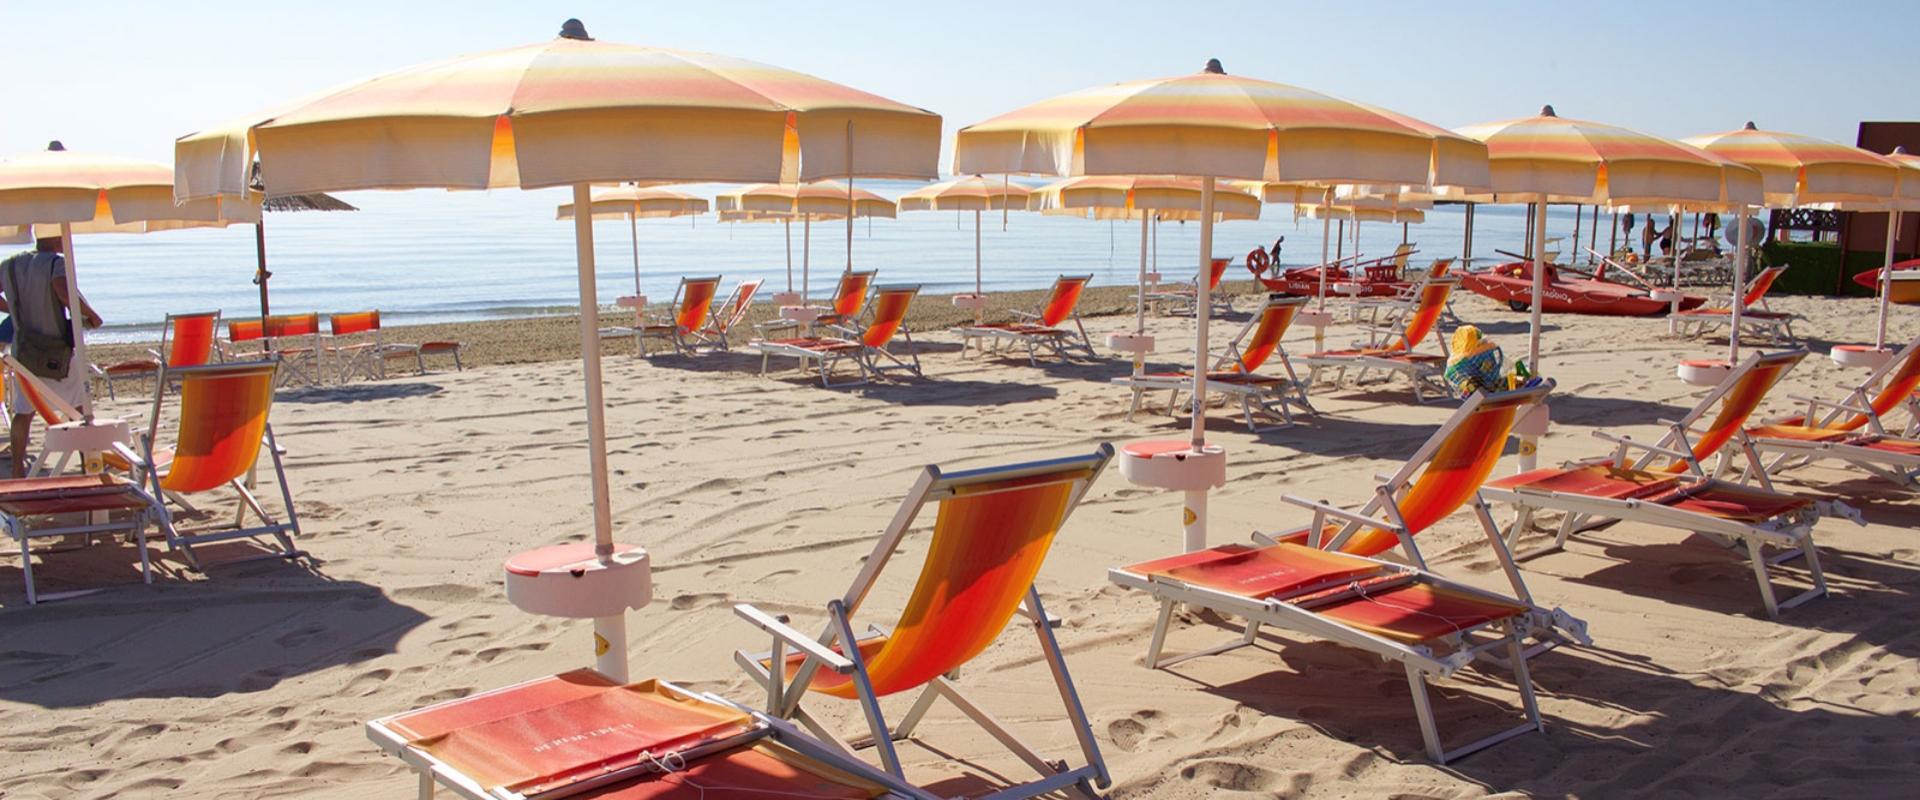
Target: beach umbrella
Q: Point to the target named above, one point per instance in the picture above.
(822, 200)
(1550, 159)
(571, 111)
(1360, 213)
(1802, 171)
(1210, 125)
(635, 203)
(59, 191)
(971, 193)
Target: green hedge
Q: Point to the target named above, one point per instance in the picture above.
(1816, 268)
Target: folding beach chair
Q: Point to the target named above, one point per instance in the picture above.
(246, 340)
(692, 304)
(296, 340)
(221, 429)
(1681, 493)
(730, 313)
(864, 348)
(74, 506)
(1034, 331)
(991, 533)
(849, 302)
(1854, 430)
(186, 340)
(1235, 373)
(1179, 299)
(1400, 355)
(579, 734)
(1325, 580)
(1776, 326)
(354, 342)
(1387, 310)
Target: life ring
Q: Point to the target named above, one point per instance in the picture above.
(1259, 261)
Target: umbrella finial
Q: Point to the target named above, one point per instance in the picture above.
(574, 29)
(1547, 111)
(1213, 66)
(56, 147)
(1750, 126)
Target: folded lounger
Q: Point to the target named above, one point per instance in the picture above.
(185, 340)
(1035, 331)
(1179, 298)
(1325, 580)
(692, 304)
(1399, 353)
(864, 348)
(849, 302)
(1854, 430)
(1775, 325)
(1680, 493)
(991, 532)
(1235, 373)
(579, 734)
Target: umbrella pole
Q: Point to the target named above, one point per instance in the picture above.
(1578, 212)
(1593, 232)
(1673, 229)
(806, 255)
(1403, 234)
(1326, 237)
(788, 224)
(1140, 304)
(633, 232)
(1466, 248)
(260, 275)
(1886, 276)
(1339, 239)
(609, 633)
(849, 195)
(1613, 235)
(980, 310)
(1539, 231)
(1196, 516)
(1739, 281)
(78, 322)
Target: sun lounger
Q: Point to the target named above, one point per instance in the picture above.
(295, 340)
(1179, 298)
(579, 734)
(1388, 310)
(1854, 430)
(1034, 331)
(74, 506)
(865, 348)
(1776, 326)
(186, 340)
(1395, 349)
(1324, 579)
(849, 302)
(721, 322)
(1236, 372)
(991, 533)
(1681, 492)
(692, 304)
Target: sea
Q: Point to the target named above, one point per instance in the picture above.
(435, 256)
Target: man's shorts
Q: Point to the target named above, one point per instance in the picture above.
(72, 389)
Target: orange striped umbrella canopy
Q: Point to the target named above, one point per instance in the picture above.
(967, 193)
(1559, 160)
(1362, 212)
(566, 111)
(1128, 196)
(820, 200)
(104, 194)
(1804, 171)
(640, 203)
(1218, 125)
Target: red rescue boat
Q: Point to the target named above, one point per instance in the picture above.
(1376, 278)
(1906, 282)
(1569, 291)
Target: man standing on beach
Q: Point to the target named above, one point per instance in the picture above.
(34, 284)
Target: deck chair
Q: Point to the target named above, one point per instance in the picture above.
(1387, 310)
(186, 340)
(246, 340)
(1325, 579)
(991, 533)
(297, 343)
(849, 302)
(74, 506)
(721, 322)
(692, 305)
(221, 429)
(1179, 298)
(578, 732)
(1854, 430)
(355, 344)
(1776, 326)
(865, 348)
(1682, 493)
(1035, 331)
(1395, 349)
(1236, 373)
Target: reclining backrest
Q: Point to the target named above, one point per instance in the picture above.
(1425, 314)
(1400, 256)
(223, 412)
(1216, 270)
(739, 304)
(190, 338)
(280, 326)
(1275, 317)
(1064, 298)
(890, 305)
(352, 322)
(1896, 389)
(1440, 268)
(696, 302)
(1737, 397)
(245, 330)
(1761, 283)
(850, 297)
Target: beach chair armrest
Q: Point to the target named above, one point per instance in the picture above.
(1629, 442)
(793, 638)
(1337, 512)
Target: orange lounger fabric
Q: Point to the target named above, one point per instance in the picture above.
(763, 772)
(1261, 572)
(1418, 612)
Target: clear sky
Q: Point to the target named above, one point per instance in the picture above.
(127, 76)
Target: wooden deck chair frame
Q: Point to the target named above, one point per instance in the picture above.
(830, 650)
(1261, 397)
(1383, 515)
(304, 362)
(163, 353)
(1034, 331)
(1394, 349)
(1755, 316)
(1854, 430)
(435, 773)
(207, 439)
(1178, 299)
(721, 322)
(674, 328)
(865, 348)
(1688, 448)
(851, 295)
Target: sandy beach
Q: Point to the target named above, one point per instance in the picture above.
(254, 680)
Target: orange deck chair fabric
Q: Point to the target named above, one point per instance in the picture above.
(220, 441)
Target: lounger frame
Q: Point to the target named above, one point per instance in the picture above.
(1066, 344)
(1426, 373)
(1275, 400)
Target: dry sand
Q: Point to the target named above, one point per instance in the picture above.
(254, 681)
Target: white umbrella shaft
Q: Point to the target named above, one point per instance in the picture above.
(806, 254)
(980, 309)
(1203, 304)
(1326, 240)
(1739, 288)
(79, 322)
(1886, 278)
(1539, 286)
(1140, 306)
(610, 660)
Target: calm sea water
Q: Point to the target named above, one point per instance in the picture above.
(431, 256)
